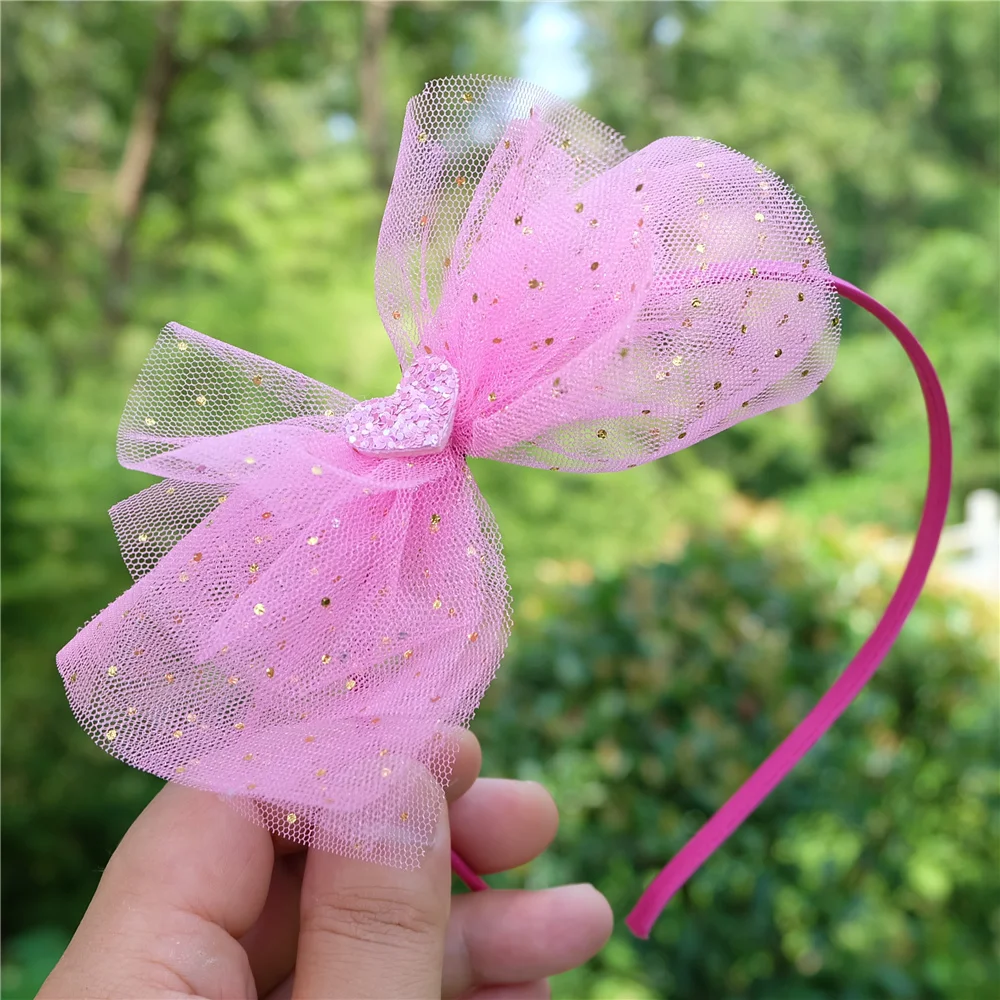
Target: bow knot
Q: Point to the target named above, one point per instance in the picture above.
(416, 419)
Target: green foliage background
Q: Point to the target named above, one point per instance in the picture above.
(667, 631)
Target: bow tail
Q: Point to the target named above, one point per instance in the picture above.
(308, 645)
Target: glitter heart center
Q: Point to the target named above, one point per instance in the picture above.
(415, 420)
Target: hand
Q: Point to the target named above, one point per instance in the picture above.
(198, 902)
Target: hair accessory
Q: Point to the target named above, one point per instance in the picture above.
(320, 599)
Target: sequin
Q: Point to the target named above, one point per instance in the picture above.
(291, 819)
(312, 540)
(317, 470)
(473, 637)
(535, 283)
(182, 345)
(350, 684)
(169, 678)
(259, 609)
(324, 602)
(200, 400)
(435, 522)
(325, 658)
(112, 670)
(111, 734)
(254, 567)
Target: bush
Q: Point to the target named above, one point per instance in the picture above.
(644, 700)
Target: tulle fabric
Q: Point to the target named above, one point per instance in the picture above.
(310, 627)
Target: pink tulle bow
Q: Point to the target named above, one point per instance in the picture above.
(320, 599)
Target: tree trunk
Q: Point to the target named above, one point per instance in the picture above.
(133, 171)
(375, 28)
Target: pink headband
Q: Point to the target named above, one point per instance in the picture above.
(320, 599)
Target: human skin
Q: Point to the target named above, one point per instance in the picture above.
(197, 902)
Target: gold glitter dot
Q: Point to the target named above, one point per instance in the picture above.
(593, 223)
(259, 609)
(111, 734)
(809, 241)
(683, 434)
(237, 725)
(149, 422)
(325, 658)
(169, 678)
(801, 297)
(182, 345)
(435, 522)
(836, 321)
(132, 710)
(595, 265)
(535, 283)
(475, 297)
(639, 187)
(248, 756)
(753, 272)
(699, 247)
(408, 654)
(518, 219)
(267, 514)
(291, 819)
(324, 602)
(310, 739)
(178, 733)
(473, 637)
(717, 385)
(447, 263)
(72, 678)
(747, 403)
(269, 671)
(421, 137)
(249, 460)
(180, 769)
(678, 360)
(312, 540)
(251, 786)
(321, 772)
(696, 303)
(222, 499)
(254, 567)
(578, 207)
(743, 328)
(602, 433)
(437, 604)
(492, 397)
(200, 400)
(805, 263)
(701, 201)
(777, 353)
(144, 537)
(258, 380)
(805, 372)
(758, 216)
(112, 670)
(350, 684)
(233, 680)
(171, 490)
(317, 470)
(404, 816)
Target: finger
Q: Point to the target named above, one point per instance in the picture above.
(538, 990)
(367, 930)
(189, 876)
(499, 824)
(271, 942)
(467, 765)
(500, 937)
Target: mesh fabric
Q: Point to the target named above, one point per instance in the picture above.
(310, 625)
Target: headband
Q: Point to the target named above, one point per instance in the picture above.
(320, 599)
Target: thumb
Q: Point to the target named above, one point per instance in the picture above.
(369, 931)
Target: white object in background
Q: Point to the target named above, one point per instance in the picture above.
(972, 549)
